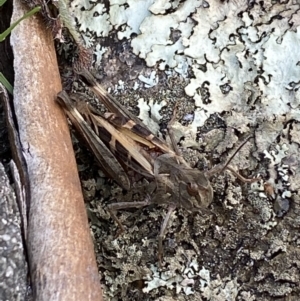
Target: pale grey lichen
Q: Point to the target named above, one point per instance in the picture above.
(237, 63)
(149, 82)
(93, 17)
(154, 108)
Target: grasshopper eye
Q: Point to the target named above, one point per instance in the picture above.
(192, 189)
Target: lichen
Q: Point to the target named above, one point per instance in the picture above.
(232, 68)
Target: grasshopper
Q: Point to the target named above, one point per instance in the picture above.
(132, 145)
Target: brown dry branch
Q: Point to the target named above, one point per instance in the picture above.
(60, 249)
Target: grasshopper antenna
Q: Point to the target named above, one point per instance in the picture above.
(234, 154)
(219, 169)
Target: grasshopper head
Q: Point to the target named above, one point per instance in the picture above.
(202, 191)
(195, 190)
(189, 186)
(203, 194)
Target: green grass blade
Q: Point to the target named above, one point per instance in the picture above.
(6, 83)
(4, 34)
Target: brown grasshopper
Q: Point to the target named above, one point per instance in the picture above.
(134, 146)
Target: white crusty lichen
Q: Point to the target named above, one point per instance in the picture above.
(156, 32)
(92, 17)
(149, 82)
(185, 282)
(235, 57)
(153, 108)
(238, 63)
(129, 15)
(167, 279)
(99, 51)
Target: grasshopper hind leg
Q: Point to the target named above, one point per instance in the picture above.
(112, 208)
(162, 233)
